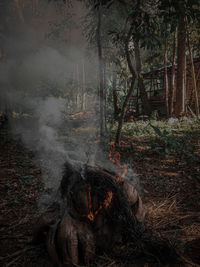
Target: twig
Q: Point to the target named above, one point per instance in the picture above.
(189, 262)
(15, 237)
(22, 221)
(106, 258)
(19, 252)
(15, 259)
(191, 214)
(77, 265)
(103, 257)
(111, 264)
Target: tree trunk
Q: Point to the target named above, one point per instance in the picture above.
(83, 85)
(35, 6)
(166, 85)
(173, 88)
(181, 63)
(78, 85)
(115, 97)
(105, 95)
(101, 85)
(128, 96)
(143, 94)
(194, 83)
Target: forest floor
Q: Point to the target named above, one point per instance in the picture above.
(171, 194)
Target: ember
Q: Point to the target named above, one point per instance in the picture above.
(108, 200)
(92, 214)
(114, 156)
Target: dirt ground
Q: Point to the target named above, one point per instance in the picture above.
(171, 194)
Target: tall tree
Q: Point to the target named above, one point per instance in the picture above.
(101, 83)
(181, 60)
(194, 82)
(130, 91)
(143, 94)
(83, 93)
(173, 86)
(114, 94)
(166, 83)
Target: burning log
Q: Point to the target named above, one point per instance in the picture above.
(96, 211)
(93, 210)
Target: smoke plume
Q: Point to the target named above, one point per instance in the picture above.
(37, 76)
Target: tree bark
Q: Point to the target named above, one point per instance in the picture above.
(105, 95)
(143, 94)
(78, 88)
(181, 63)
(173, 87)
(128, 96)
(115, 97)
(83, 85)
(35, 5)
(194, 83)
(166, 84)
(101, 85)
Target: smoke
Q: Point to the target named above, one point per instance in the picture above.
(36, 74)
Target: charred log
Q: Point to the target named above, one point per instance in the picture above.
(45, 222)
(95, 212)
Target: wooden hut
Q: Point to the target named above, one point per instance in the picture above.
(154, 83)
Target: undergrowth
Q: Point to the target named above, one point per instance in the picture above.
(172, 126)
(165, 137)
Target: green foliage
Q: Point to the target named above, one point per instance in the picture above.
(166, 143)
(172, 126)
(165, 137)
(155, 115)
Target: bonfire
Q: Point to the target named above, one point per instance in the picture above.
(96, 211)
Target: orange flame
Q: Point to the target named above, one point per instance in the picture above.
(91, 215)
(114, 156)
(19, 10)
(108, 200)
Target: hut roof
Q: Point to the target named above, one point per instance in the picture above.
(159, 71)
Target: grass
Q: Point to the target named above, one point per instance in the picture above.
(167, 215)
(172, 126)
(164, 137)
